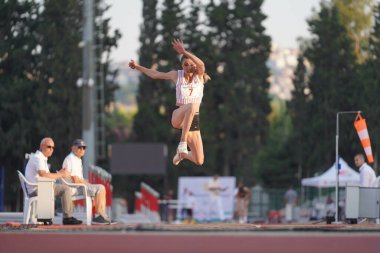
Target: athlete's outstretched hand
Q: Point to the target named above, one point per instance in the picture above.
(178, 46)
(132, 64)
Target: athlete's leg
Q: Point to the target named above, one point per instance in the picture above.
(182, 118)
(177, 117)
(195, 143)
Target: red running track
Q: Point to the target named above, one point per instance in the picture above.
(163, 242)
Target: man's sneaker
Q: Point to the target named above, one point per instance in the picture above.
(112, 222)
(100, 220)
(71, 221)
(177, 158)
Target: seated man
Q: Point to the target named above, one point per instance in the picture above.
(73, 164)
(37, 167)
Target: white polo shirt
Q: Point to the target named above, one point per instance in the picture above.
(367, 176)
(74, 165)
(37, 162)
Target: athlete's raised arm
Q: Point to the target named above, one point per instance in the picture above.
(180, 48)
(154, 74)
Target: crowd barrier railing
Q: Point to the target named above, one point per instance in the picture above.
(149, 202)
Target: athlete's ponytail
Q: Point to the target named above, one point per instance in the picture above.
(206, 77)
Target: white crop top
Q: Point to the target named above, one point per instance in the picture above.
(187, 93)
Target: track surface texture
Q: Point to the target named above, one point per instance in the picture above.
(199, 238)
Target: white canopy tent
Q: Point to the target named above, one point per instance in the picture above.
(347, 176)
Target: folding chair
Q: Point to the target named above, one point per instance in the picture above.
(30, 203)
(83, 195)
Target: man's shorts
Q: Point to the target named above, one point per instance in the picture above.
(92, 189)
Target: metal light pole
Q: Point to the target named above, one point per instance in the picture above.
(337, 161)
(89, 103)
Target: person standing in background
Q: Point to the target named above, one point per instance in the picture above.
(215, 197)
(290, 199)
(190, 203)
(367, 174)
(242, 196)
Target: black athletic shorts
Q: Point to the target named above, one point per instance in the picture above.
(195, 123)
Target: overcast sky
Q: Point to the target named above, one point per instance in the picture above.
(285, 23)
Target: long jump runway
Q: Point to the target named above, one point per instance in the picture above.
(198, 238)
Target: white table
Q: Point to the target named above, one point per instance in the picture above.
(45, 200)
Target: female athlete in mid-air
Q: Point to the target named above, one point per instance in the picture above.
(189, 92)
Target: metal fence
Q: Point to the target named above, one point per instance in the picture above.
(263, 201)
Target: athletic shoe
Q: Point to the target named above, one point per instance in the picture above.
(71, 221)
(110, 221)
(177, 158)
(100, 220)
(182, 148)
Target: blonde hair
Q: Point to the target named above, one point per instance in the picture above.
(206, 77)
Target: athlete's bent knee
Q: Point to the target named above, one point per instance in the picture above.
(199, 161)
(175, 124)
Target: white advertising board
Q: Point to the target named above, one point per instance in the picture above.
(204, 208)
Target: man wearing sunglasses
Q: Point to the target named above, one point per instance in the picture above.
(73, 164)
(37, 167)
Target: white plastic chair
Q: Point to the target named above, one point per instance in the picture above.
(30, 203)
(85, 196)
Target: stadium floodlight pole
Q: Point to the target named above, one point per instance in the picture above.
(88, 82)
(337, 161)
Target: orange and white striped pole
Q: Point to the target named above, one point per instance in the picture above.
(361, 128)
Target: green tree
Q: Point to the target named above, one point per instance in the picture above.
(65, 17)
(273, 158)
(61, 96)
(370, 82)
(333, 88)
(356, 16)
(147, 125)
(19, 78)
(119, 124)
(240, 97)
(39, 70)
(299, 110)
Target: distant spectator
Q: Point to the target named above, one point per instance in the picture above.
(242, 202)
(330, 207)
(167, 211)
(367, 175)
(190, 202)
(215, 199)
(290, 199)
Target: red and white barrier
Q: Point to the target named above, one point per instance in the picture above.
(149, 202)
(97, 175)
(138, 202)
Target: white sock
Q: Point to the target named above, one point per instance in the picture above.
(182, 147)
